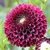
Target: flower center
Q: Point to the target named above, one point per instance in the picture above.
(45, 46)
(22, 20)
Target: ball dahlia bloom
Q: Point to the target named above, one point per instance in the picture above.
(43, 44)
(24, 23)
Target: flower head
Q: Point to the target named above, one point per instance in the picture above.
(24, 23)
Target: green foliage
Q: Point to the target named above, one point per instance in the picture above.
(48, 31)
(3, 38)
(8, 46)
(43, 1)
(36, 2)
(32, 47)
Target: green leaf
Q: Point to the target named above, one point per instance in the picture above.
(8, 46)
(1, 43)
(3, 38)
(32, 47)
(48, 33)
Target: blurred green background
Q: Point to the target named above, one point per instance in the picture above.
(6, 6)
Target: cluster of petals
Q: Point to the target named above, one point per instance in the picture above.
(25, 33)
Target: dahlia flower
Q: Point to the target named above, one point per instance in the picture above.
(24, 23)
(43, 44)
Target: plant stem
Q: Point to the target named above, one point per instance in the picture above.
(18, 2)
(30, 1)
(22, 48)
(42, 6)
